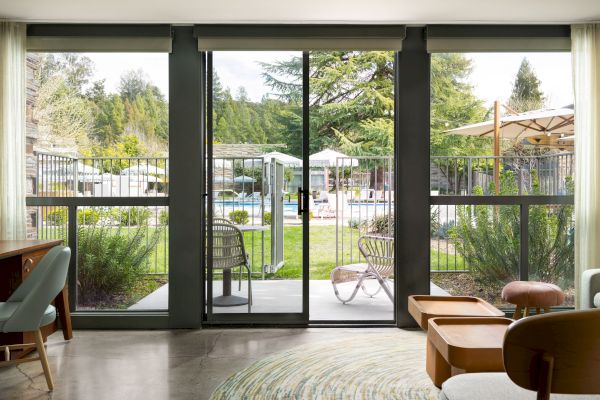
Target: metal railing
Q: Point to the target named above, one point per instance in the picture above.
(458, 175)
(364, 197)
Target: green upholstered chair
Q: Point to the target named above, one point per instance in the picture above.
(28, 308)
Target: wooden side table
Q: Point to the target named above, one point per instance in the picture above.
(458, 345)
(422, 308)
(17, 259)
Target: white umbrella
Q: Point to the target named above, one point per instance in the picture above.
(286, 159)
(556, 122)
(329, 158)
(244, 179)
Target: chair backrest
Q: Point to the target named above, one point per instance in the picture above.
(555, 353)
(220, 220)
(228, 246)
(379, 253)
(37, 291)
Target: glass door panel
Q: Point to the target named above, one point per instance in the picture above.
(255, 238)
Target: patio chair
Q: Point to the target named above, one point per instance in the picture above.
(221, 220)
(229, 252)
(379, 256)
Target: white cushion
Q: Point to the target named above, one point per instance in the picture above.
(597, 300)
(494, 386)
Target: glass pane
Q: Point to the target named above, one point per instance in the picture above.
(351, 184)
(97, 126)
(474, 250)
(551, 247)
(257, 170)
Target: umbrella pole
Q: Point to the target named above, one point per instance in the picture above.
(497, 145)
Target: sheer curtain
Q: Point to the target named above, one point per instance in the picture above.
(12, 130)
(586, 73)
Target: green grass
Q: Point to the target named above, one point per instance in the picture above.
(321, 249)
(441, 261)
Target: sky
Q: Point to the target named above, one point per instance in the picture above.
(492, 77)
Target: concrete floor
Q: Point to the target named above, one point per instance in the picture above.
(154, 365)
(279, 296)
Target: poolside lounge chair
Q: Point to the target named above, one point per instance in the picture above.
(379, 256)
(335, 204)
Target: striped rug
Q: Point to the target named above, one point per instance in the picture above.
(366, 366)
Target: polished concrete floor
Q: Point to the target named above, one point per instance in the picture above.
(154, 365)
(279, 296)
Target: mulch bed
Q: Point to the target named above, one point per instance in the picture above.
(464, 284)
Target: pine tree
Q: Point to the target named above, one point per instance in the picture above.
(526, 93)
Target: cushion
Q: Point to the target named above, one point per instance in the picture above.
(7, 310)
(494, 386)
(533, 294)
(597, 300)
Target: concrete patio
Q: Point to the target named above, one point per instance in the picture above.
(285, 296)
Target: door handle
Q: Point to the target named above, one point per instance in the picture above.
(300, 201)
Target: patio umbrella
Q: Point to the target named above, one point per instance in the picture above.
(244, 179)
(556, 122)
(285, 159)
(329, 158)
(538, 127)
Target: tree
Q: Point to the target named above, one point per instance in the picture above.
(132, 84)
(64, 117)
(526, 92)
(75, 69)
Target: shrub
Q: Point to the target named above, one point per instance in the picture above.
(111, 261)
(131, 216)
(163, 218)
(88, 216)
(57, 217)
(381, 225)
(488, 238)
(267, 217)
(354, 223)
(239, 217)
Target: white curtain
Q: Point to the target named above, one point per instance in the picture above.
(12, 130)
(586, 73)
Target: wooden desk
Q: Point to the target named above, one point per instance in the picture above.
(17, 259)
(459, 345)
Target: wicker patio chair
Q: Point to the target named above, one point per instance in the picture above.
(221, 220)
(229, 252)
(379, 256)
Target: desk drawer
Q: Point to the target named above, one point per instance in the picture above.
(31, 260)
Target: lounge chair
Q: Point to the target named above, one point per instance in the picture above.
(378, 252)
(335, 204)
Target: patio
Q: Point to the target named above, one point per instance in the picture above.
(278, 296)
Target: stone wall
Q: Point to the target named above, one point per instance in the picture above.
(31, 137)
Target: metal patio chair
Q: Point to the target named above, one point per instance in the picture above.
(221, 220)
(378, 252)
(229, 252)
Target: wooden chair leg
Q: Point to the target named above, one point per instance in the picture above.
(546, 310)
(526, 314)
(538, 311)
(39, 342)
(518, 312)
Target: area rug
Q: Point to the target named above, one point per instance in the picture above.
(366, 366)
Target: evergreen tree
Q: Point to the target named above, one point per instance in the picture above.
(526, 93)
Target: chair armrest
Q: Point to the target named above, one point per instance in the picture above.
(590, 285)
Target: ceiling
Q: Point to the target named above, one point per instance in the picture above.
(305, 11)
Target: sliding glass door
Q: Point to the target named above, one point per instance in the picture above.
(255, 178)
